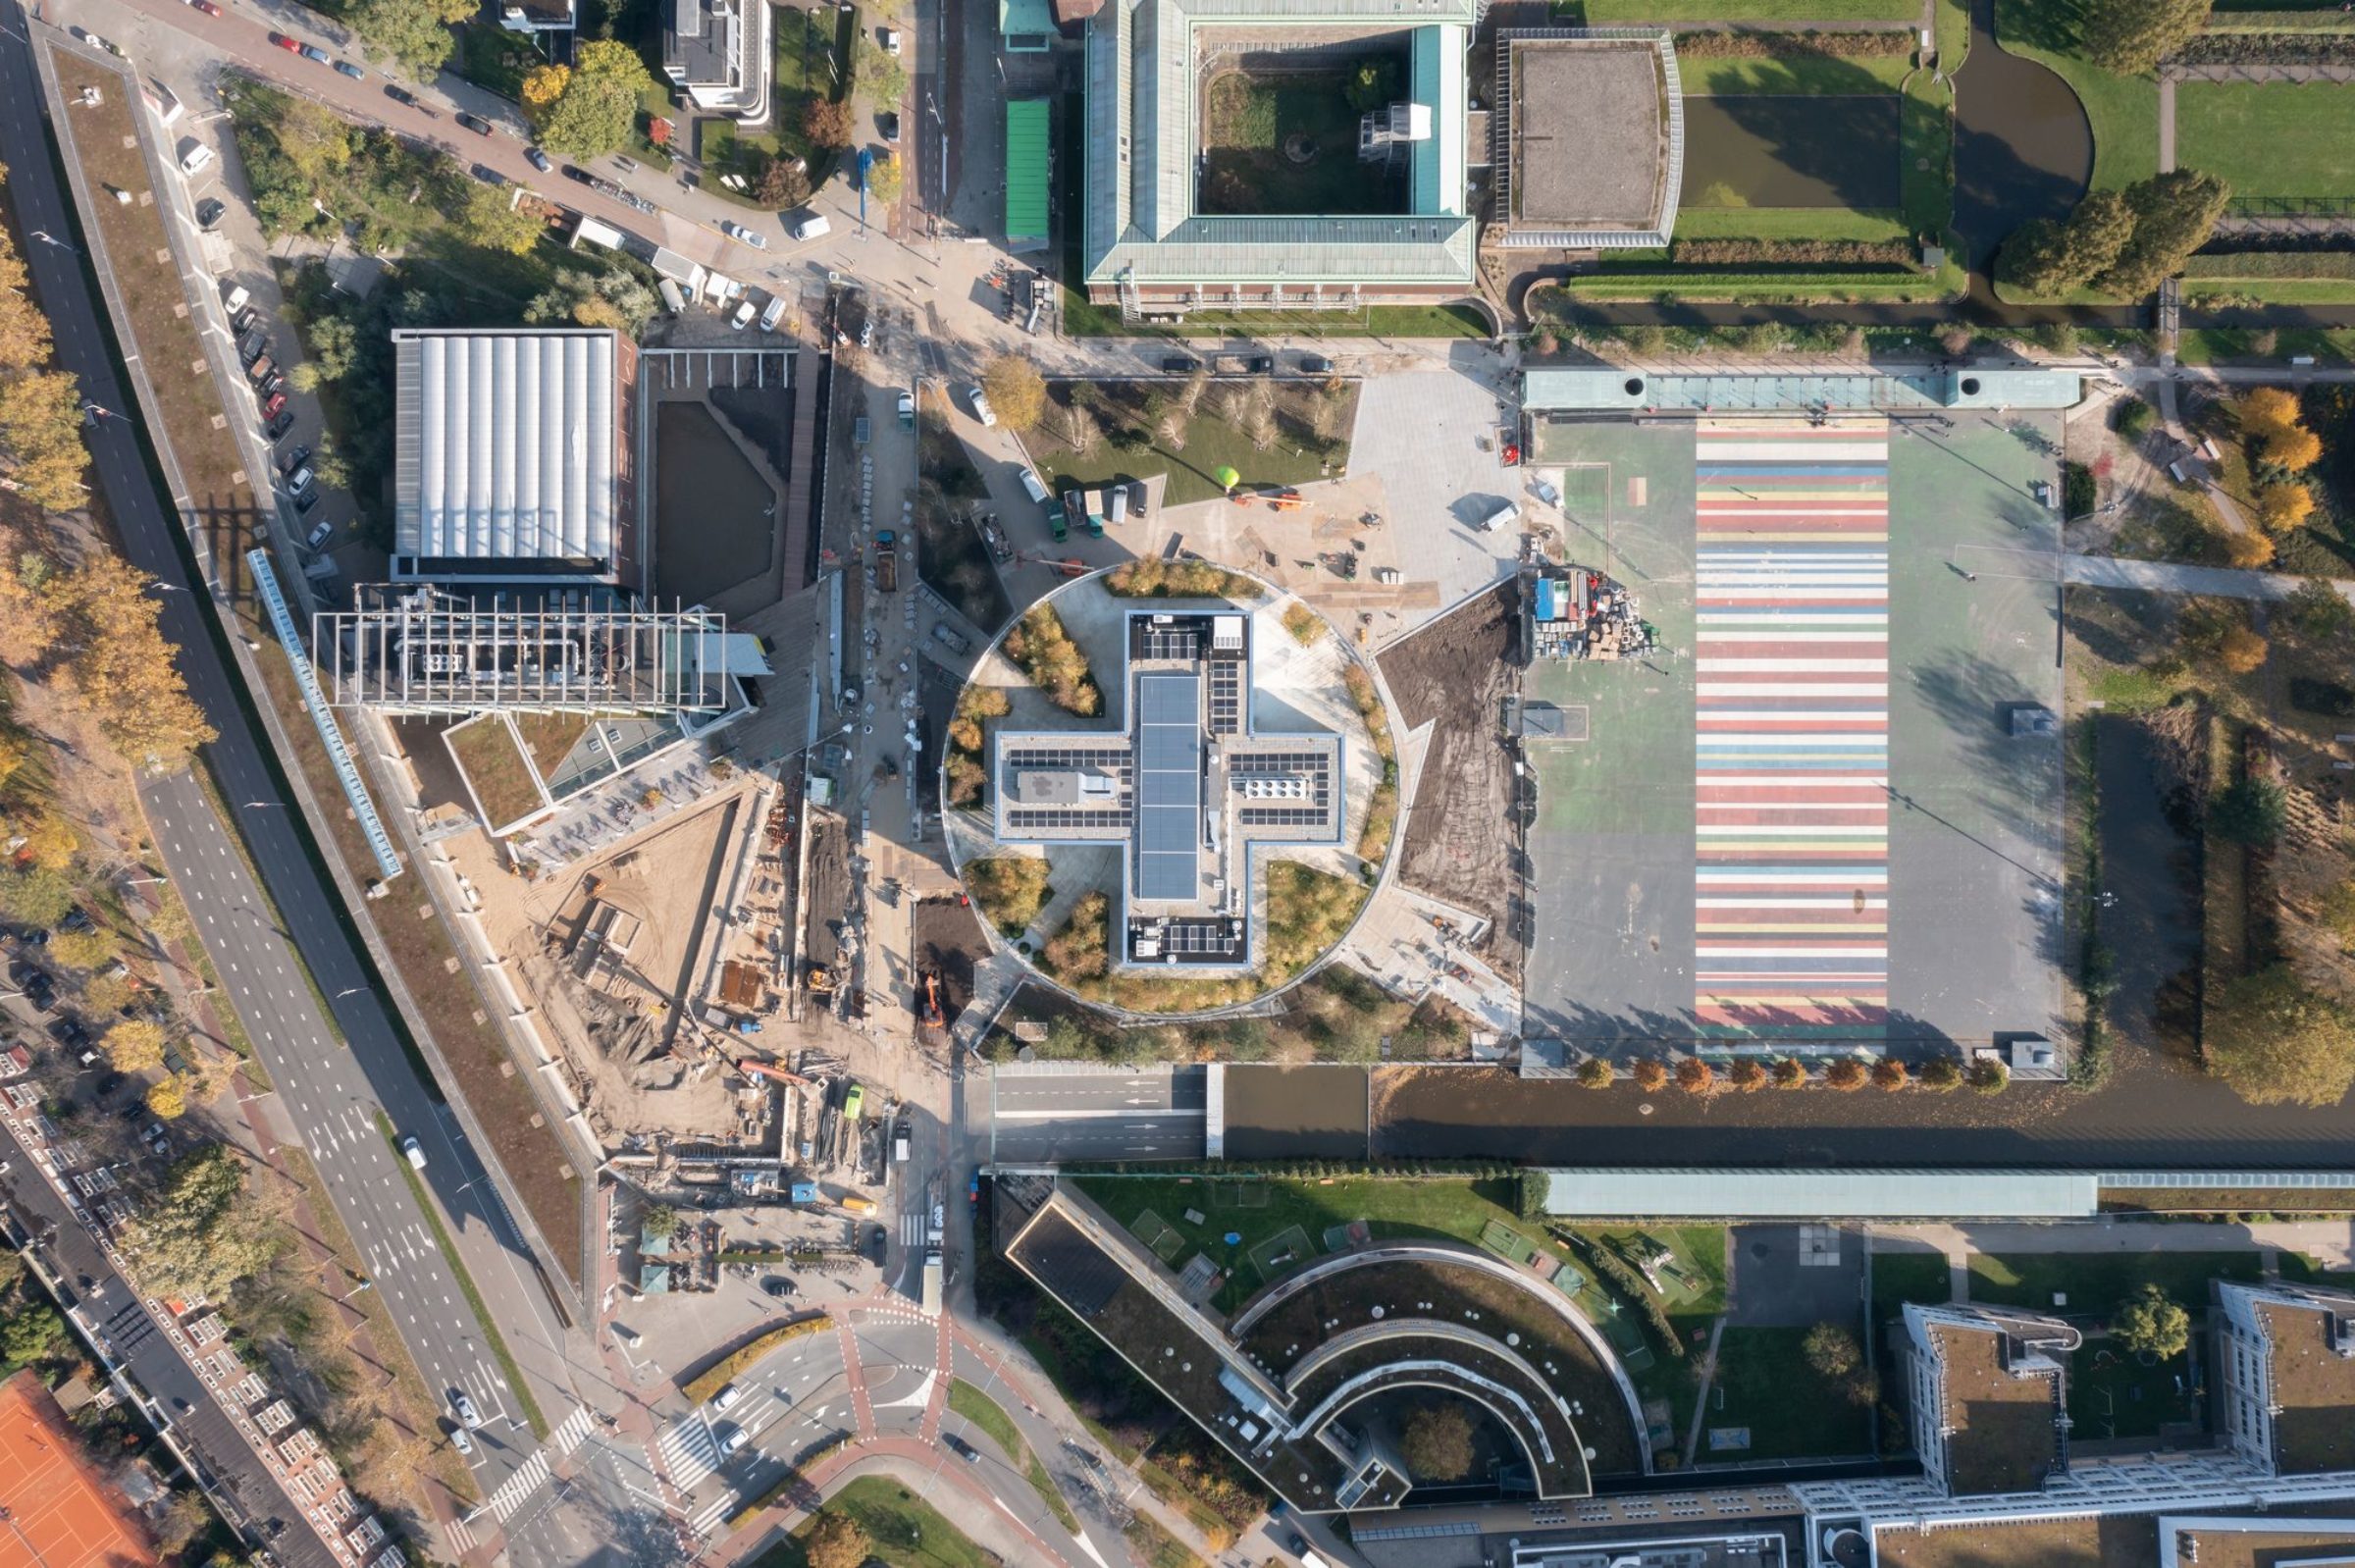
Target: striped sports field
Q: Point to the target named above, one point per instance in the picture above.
(1791, 662)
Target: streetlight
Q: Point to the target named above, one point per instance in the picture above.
(349, 990)
(48, 238)
(258, 806)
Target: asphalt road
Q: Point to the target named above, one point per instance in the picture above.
(332, 1091)
(137, 1339)
(1096, 1115)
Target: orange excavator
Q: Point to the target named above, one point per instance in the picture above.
(752, 1069)
(929, 1002)
(1068, 567)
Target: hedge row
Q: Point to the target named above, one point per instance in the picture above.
(2269, 49)
(1776, 45)
(2330, 21)
(1688, 279)
(1793, 253)
(2271, 264)
(704, 1384)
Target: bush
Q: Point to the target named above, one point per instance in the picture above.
(1303, 623)
(1629, 1288)
(1011, 889)
(1778, 44)
(1596, 1073)
(717, 1376)
(1943, 1074)
(1793, 253)
(2135, 416)
(1184, 579)
(1696, 1076)
(1747, 1076)
(2271, 263)
(1080, 950)
(2250, 810)
(1890, 1074)
(1790, 1072)
(1046, 653)
(1848, 1074)
(1650, 1076)
(2079, 494)
(1988, 1077)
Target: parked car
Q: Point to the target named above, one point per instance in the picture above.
(888, 123)
(205, 6)
(1178, 365)
(293, 459)
(573, 171)
(889, 37)
(981, 409)
(281, 420)
(401, 94)
(299, 481)
(319, 534)
(272, 385)
(243, 320)
(1262, 365)
(66, 1031)
(42, 992)
(474, 123)
(1136, 497)
(739, 233)
(305, 501)
(460, 1442)
(274, 405)
(254, 344)
(209, 211)
(348, 69)
(743, 318)
(76, 919)
(487, 174)
(468, 1417)
(312, 52)
(1316, 364)
(414, 1152)
(290, 45)
(537, 159)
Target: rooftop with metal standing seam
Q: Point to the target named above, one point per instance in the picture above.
(1189, 790)
(1588, 153)
(1927, 389)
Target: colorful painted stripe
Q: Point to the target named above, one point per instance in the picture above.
(1791, 664)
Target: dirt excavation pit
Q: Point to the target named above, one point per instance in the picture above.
(949, 944)
(1454, 675)
(610, 970)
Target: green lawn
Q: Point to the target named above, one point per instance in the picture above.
(809, 63)
(1211, 442)
(992, 1417)
(1926, 150)
(1728, 76)
(2299, 1269)
(1613, 13)
(906, 1531)
(2268, 138)
(1765, 1382)
(1789, 223)
(2123, 110)
(2096, 1282)
(1254, 122)
(492, 56)
(2209, 345)
(1156, 1547)
(2272, 291)
(1901, 1277)
(2112, 1395)
(1770, 287)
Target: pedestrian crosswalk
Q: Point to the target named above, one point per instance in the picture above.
(912, 1228)
(689, 1452)
(711, 1518)
(515, 1491)
(572, 1433)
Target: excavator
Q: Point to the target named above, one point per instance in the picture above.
(928, 1001)
(1068, 567)
(752, 1068)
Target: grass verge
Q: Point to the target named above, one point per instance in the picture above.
(1156, 1547)
(474, 1298)
(704, 1385)
(902, 1528)
(992, 1417)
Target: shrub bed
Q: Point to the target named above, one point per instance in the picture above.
(2271, 264)
(710, 1381)
(1773, 45)
(1054, 663)
(1793, 253)
(1158, 579)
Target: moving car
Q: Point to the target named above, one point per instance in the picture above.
(981, 409)
(460, 1442)
(739, 233)
(348, 69)
(537, 159)
(727, 1398)
(319, 536)
(736, 1439)
(468, 1416)
(205, 6)
(416, 1155)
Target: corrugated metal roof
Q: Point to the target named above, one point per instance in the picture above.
(1608, 389)
(1629, 1192)
(504, 445)
(1026, 165)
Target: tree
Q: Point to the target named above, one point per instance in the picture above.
(204, 1233)
(1988, 1077)
(543, 86)
(2045, 257)
(828, 124)
(2132, 36)
(125, 670)
(1942, 1073)
(598, 110)
(1790, 1072)
(1890, 1074)
(2248, 550)
(167, 1099)
(2265, 409)
(1831, 1350)
(2249, 810)
(2317, 611)
(662, 1222)
(2149, 1323)
(1016, 391)
(783, 183)
(2282, 508)
(836, 1541)
(35, 895)
(415, 32)
(329, 466)
(1436, 1443)
(29, 1333)
(135, 1045)
(1650, 1076)
(1596, 1073)
(1848, 1074)
(1696, 1076)
(2292, 448)
(886, 176)
(2241, 650)
(82, 949)
(493, 221)
(1748, 1075)
(2276, 1042)
(40, 438)
(2174, 215)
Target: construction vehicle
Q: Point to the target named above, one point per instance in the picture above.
(929, 1001)
(1068, 567)
(853, 1102)
(859, 1205)
(821, 981)
(752, 1069)
(887, 559)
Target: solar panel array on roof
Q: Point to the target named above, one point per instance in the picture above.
(1169, 783)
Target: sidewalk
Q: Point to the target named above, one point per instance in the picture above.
(2330, 1242)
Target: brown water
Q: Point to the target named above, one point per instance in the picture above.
(1792, 152)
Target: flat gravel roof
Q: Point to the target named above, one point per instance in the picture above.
(1589, 139)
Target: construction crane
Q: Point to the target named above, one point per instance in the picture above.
(931, 1001)
(752, 1069)
(1068, 567)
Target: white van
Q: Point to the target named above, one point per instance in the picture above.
(1035, 488)
(773, 314)
(1505, 512)
(196, 160)
(814, 227)
(239, 298)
